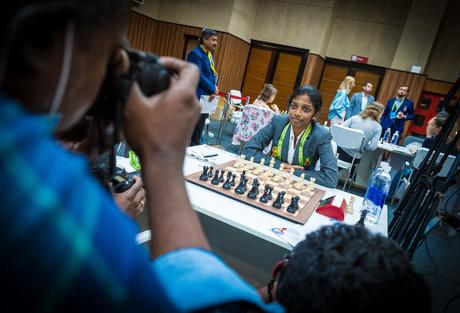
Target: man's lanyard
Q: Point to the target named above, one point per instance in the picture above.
(304, 137)
(211, 61)
(397, 105)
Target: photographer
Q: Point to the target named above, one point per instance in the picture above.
(64, 244)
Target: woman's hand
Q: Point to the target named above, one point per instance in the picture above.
(287, 167)
(132, 200)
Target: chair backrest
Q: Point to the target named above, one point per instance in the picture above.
(348, 138)
(421, 154)
(235, 93)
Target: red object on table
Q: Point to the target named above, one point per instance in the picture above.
(332, 207)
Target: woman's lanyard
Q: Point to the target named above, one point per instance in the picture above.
(304, 137)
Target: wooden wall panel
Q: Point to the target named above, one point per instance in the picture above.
(393, 79)
(231, 62)
(141, 32)
(313, 70)
(167, 39)
(436, 86)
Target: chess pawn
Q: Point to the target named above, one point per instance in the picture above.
(299, 184)
(350, 205)
(290, 178)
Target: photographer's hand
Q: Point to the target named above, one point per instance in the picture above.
(158, 129)
(132, 200)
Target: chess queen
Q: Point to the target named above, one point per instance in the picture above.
(299, 141)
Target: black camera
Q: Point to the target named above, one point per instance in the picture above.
(145, 69)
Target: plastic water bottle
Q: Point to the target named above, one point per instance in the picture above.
(386, 135)
(377, 192)
(395, 138)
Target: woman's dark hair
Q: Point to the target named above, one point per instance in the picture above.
(206, 33)
(313, 94)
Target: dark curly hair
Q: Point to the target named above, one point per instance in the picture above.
(343, 268)
(312, 92)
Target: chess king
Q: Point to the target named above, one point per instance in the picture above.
(299, 141)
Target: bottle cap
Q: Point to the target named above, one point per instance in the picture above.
(385, 166)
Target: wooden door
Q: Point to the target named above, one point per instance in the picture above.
(256, 72)
(285, 77)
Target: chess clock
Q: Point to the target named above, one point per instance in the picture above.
(333, 207)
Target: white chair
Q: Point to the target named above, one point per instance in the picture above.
(348, 138)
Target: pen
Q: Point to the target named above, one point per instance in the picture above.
(210, 155)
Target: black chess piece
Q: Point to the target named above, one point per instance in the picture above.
(269, 190)
(221, 178)
(243, 175)
(264, 197)
(241, 188)
(279, 200)
(215, 180)
(229, 174)
(362, 219)
(252, 194)
(227, 184)
(293, 206)
(210, 174)
(233, 180)
(204, 175)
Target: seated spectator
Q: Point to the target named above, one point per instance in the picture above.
(65, 245)
(266, 97)
(369, 122)
(298, 140)
(433, 129)
(343, 268)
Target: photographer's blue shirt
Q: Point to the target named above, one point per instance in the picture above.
(65, 245)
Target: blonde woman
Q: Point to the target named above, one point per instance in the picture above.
(369, 122)
(341, 103)
(266, 97)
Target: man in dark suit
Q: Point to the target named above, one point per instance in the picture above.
(397, 111)
(360, 100)
(201, 55)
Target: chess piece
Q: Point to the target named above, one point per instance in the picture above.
(362, 218)
(241, 188)
(270, 173)
(265, 197)
(290, 178)
(239, 162)
(269, 191)
(278, 203)
(204, 175)
(294, 205)
(278, 177)
(250, 163)
(252, 194)
(210, 174)
(221, 178)
(350, 205)
(215, 180)
(228, 183)
(310, 185)
(233, 180)
(299, 184)
(243, 175)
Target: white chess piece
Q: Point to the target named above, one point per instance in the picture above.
(299, 184)
(290, 178)
(350, 205)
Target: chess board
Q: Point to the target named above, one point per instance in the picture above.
(308, 202)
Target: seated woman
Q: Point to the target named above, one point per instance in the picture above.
(266, 97)
(298, 140)
(369, 122)
(341, 103)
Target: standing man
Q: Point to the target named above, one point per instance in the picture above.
(201, 55)
(397, 111)
(360, 100)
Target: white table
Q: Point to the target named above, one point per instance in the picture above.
(243, 234)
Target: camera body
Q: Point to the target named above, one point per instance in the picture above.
(145, 69)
